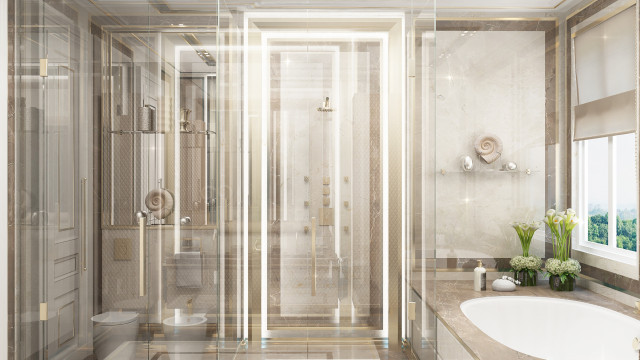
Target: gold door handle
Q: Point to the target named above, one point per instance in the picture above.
(83, 217)
(142, 221)
(313, 256)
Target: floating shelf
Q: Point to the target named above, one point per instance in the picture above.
(192, 132)
(526, 171)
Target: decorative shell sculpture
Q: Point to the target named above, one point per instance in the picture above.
(159, 202)
(488, 147)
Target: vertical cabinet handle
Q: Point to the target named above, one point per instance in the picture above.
(83, 217)
(142, 222)
(313, 256)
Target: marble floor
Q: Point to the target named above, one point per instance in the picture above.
(259, 351)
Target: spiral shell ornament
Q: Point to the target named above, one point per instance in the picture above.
(488, 147)
(159, 202)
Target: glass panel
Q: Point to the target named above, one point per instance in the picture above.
(325, 161)
(626, 191)
(597, 163)
(117, 167)
(421, 183)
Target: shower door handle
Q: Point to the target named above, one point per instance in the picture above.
(142, 222)
(313, 256)
(83, 217)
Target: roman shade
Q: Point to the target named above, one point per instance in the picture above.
(605, 70)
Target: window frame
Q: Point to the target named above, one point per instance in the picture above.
(580, 186)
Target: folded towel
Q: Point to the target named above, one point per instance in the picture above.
(189, 269)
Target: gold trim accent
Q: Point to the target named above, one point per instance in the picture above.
(504, 7)
(344, 340)
(44, 311)
(581, 9)
(602, 19)
(142, 221)
(318, 328)
(483, 19)
(313, 256)
(83, 216)
(73, 321)
(159, 227)
(44, 67)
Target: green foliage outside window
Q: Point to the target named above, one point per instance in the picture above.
(626, 231)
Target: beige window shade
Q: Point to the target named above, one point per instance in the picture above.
(613, 115)
(605, 71)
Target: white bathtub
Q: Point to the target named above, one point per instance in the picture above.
(555, 329)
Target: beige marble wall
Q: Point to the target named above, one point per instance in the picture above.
(121, 275)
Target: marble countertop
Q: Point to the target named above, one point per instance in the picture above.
(451, 293)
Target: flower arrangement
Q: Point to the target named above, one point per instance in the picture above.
(561, 267)
(530, 264)
(561, 224)
(525, 233)
(525, 268)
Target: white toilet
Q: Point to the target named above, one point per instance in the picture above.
(112, 329)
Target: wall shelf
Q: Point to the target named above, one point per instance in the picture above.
(192, 132)
(494, 171)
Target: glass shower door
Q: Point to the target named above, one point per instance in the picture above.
(324, 267)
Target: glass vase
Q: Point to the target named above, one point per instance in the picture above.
(525, 279)
(556, 284)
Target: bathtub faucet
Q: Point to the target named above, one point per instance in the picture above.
(190, 307)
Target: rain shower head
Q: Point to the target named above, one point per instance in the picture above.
(325, 106)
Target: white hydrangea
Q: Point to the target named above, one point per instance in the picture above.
(520, 263)
(557, 267)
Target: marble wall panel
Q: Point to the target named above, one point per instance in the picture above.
(489, 82)
(120, 274)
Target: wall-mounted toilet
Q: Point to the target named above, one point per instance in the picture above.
(112, 329)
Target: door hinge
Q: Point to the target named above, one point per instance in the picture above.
(411, 311)
(44, 66)
(43, 311)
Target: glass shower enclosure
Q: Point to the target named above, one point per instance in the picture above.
(117, 180)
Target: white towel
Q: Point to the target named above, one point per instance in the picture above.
(189, 269)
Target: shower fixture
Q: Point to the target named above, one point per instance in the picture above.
(325, 106)
(184, 119)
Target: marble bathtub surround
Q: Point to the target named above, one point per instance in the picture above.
(452, 293)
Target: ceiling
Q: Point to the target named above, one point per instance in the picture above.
(203, 7)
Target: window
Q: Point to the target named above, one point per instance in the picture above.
(605, 183)
(607, 176)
